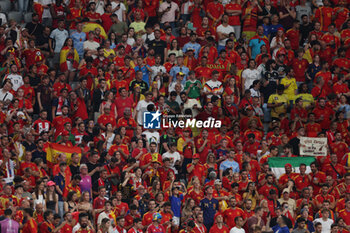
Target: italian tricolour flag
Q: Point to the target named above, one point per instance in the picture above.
(277, 164)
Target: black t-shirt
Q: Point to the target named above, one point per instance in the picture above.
(74, 170)
(96, 175)
(35, 29)
(304, 31)
(29, 147)
(39, 154)
(45, 95)
(159, 47)
(272, 77)
(41, 40)
(294, 142)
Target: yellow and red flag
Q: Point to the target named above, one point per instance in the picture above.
(55, 149)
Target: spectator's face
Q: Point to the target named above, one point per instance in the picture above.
(157, 34)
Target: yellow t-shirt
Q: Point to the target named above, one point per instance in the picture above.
(138, 26)
(308, 99)
(108, 53)
(292, 87)
(275, 98)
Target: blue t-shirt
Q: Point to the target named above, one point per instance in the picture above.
(280, 229)
(60, 181)
(274, 28)
(266, 29)
(255, 45)
(176, 69)
(176, 205)
(78, 40)
(145, 73)
(209, 208)
(227, 164)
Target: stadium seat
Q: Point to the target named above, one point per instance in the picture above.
(28, 17)
(15, 15)
(5, 6)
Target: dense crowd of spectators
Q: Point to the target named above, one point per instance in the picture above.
(83, 73)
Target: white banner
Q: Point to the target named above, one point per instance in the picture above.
(313, 146)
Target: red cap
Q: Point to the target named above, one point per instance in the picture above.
(280, 29)
(195, 156)
(188, 129)
(288, 165)
(51, 183)
(65, 133)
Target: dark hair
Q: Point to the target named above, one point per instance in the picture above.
(47, 213)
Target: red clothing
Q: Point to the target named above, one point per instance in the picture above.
(106, 21)
(301, 181)
(326, 113)
(230, 215)
(215, 9)
(234, 20)
(324, 16)
(57, 87)
(30, 226)
(198, 171)
(319, 177)
(340, 149)
(99, 203)
(46, 227)
(147, 219)
(345, 214)
(67, 228)
(293, 36)
(299, 67)
(105, 119)
(58, 124)
(338, 169)
(264, 190)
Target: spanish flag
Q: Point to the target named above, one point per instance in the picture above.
(89, 26)
(39, 9)
(54, 149)
(63, 58)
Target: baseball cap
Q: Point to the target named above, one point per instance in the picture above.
(51, 183)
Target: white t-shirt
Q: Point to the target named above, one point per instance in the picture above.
(150, 37)
(100, 5)
(3, 18)
(152, 136)
(326, 225)
(173, 158)
(226, 30)
(46, 12)
(186, 7)
(119, 12)
(250, 76)
(5, 95)
(103, 215)
(91, 45)
(59, 37)
(156, 70)
(214, 87)
(236, 230)
(141, 108)
(168, 16)
(16, 80)
(172, 87)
